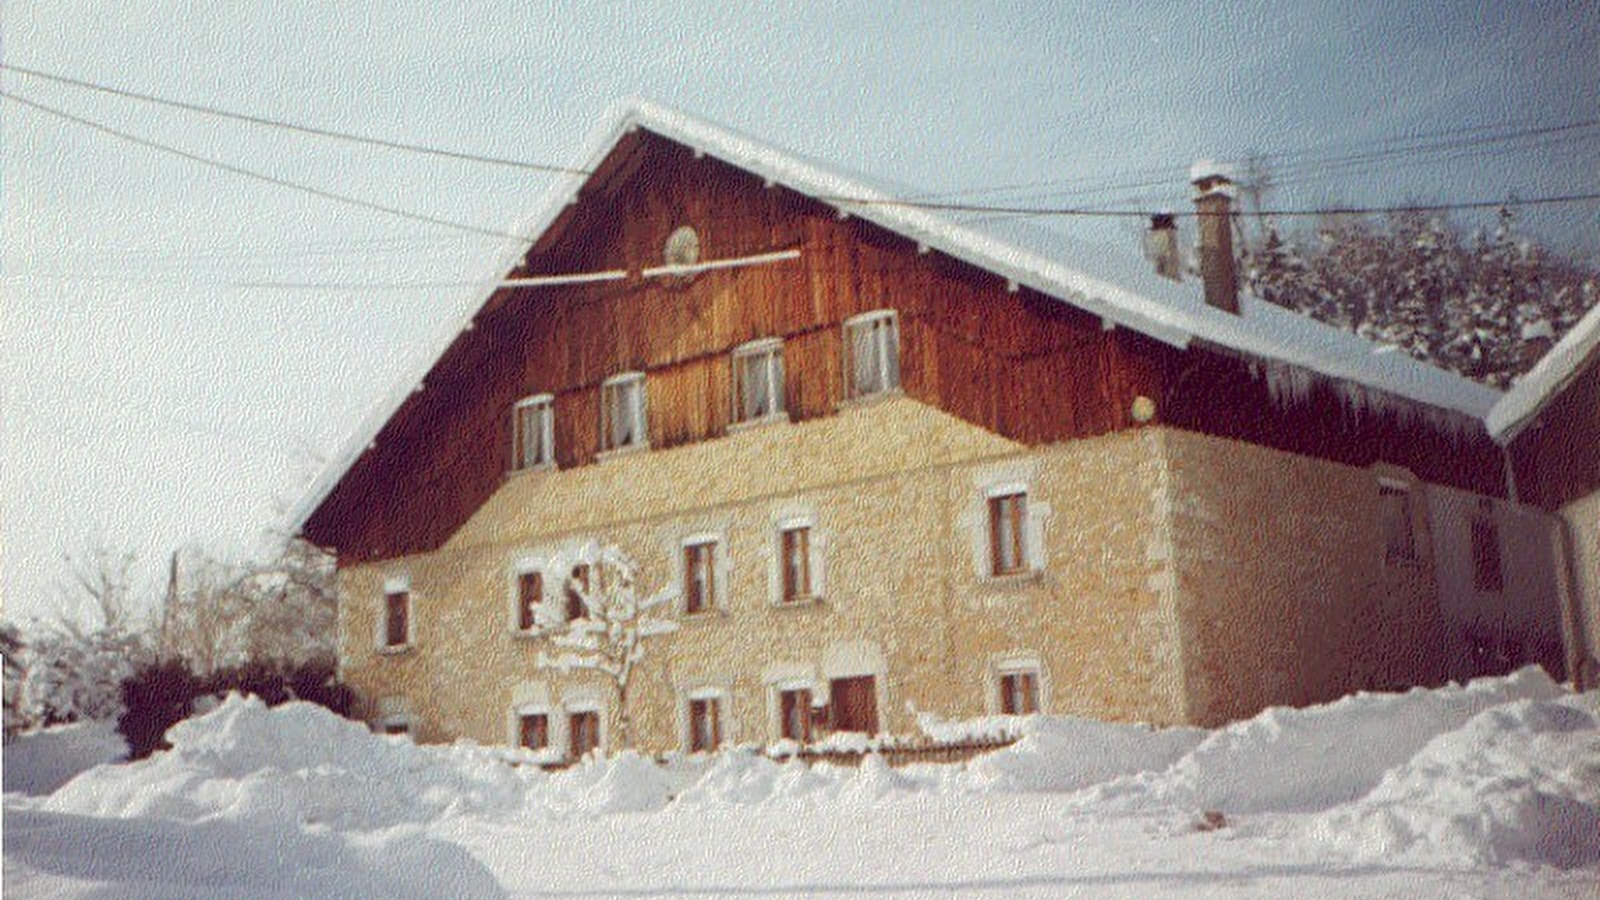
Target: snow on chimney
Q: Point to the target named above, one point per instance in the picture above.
(1161, 246)
(1213, 200)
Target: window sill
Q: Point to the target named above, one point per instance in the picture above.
(868, 400)
(531, 470)
(781, 418)
(396, 649)
(807, 602)
(619, 452)
(1007, 579)
(713, 614)
(522, 635)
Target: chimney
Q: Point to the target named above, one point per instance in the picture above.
(1213, 200)
(1161, 246)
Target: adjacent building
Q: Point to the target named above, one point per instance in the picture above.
(900, 463)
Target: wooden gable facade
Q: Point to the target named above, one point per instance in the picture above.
(1013, 361)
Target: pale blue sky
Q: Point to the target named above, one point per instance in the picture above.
(158, 410)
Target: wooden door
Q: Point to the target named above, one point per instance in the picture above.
(854, 702)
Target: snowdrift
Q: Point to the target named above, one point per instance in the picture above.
(38, 762)
(1304, 760)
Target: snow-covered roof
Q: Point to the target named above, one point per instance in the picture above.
(1119, 286)
(1554, 371)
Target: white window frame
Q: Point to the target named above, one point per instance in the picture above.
(524, 566)
(1034, 516)
(885, 347)
(816, 563)
(393, 585)
(546, 403)
(686, 717)
(639, 413)
(719, 571)
(769, 351)
(1018, 665)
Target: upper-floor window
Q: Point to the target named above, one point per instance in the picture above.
(396, 613)
(1486, 571)
(530, 593)
(578, 585)
(533, 433)
(794, 556)
(622, 412)
(1399, 535)
(872, 353)
(699, 575)
(758, 381)
(1008, 541)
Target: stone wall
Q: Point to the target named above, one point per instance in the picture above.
(896, 493)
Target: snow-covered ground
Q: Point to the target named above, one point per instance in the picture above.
(1487, 790)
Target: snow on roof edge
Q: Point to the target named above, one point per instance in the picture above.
(1549, 375)
(1114, 303)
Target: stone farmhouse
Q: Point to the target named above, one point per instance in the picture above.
(904, 462)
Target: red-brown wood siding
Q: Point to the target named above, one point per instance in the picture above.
(1017, 363)
(1557, 455)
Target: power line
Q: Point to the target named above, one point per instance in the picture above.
(1139, 213)
(294, 126)
(260, 176)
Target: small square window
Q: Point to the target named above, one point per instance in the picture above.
(699, 576)
(530, 593)
(1008, 543)
(533, 731)
(397, 618)
(622, 409)
(705, 726)
(794, 714)
(794, 546)
(1019, 692)
(758, 381)
(872, 351)
(533, 433)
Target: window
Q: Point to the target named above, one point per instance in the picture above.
(1486, 572)
(758, 381)
(533, 731)
(583, 732)
(794, 714)
(1019, 691)
(794, 547)
(577, 587)
(533, 433)
(705, 727)
(530, 593)
(872, 351)
(395, 724)
(622, 410)
(699, 576)
(396, 616)
(853, 704)
(1008, 543)
(1399, 538)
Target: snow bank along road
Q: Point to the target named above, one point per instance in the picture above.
(1486, 790)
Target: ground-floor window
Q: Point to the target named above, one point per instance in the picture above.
(705, 724)
(853, 704)
(1019, 691)
(533, 731)
(583, 733)
(794, 714)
